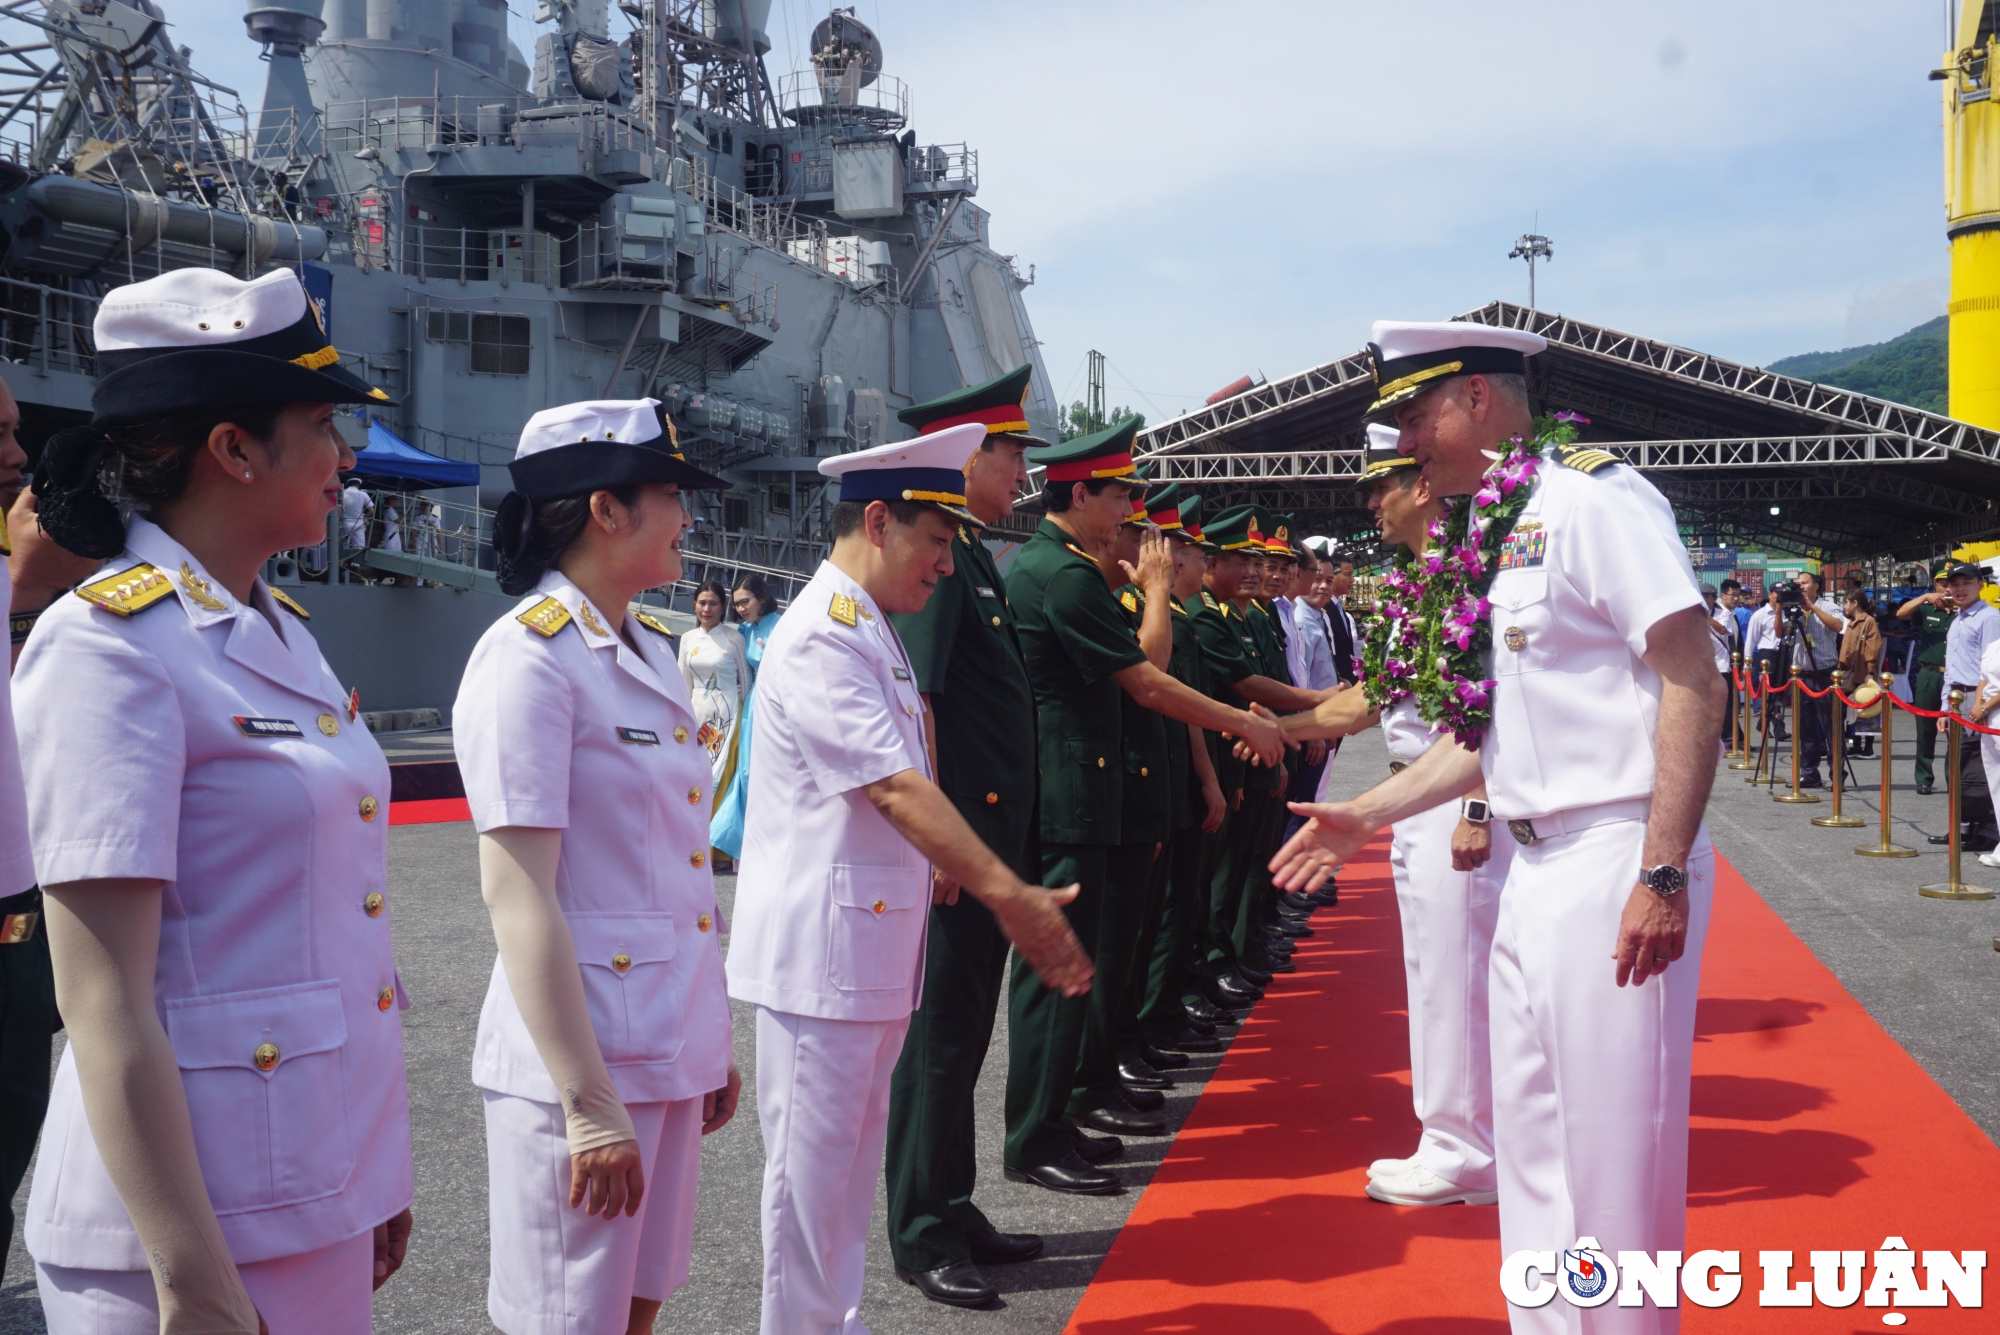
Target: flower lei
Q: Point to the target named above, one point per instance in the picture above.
(1435, 624)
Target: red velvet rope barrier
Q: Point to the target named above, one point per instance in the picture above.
(1749, 688)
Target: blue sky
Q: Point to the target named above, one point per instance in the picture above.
(1210, 189)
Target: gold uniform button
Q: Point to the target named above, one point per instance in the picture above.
(881, 907)
(266, 1056)
(369, 806)
(996, 621)
(621, 961)
(329, 725)
(696, 859)
(992, 798)
(1100, 762)
(372, 906)
(680, 734)
(1144, 772)
(385, 998)
(694, 797)
(703, 923)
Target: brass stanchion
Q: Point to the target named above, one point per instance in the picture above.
(1798, 731)
(1955, 888)
(1833, 819)
(1763, 732)
(1738, 755)
(1882, 848)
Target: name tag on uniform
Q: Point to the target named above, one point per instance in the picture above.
(267, 727)
(984, 592)
(902, 674)
(639, 735)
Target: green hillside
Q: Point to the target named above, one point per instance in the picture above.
(1909, 368)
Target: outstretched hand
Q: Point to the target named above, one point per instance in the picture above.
(1034, 921)
(1333, 833)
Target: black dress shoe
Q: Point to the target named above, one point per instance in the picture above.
(1139, 1072)
(1296, 900)
(1162, 1059)
(1978, 843)
(1196, 1025)
(992, 1247)
(1282, 966)
(1095, 1149)
(1257, 978)
(1125, 1121)
(1326, 896)
(1193, 1042)
(1925, 790)
(1810, 779)
(1143, 1099)
(1940, 838)
(960, 1284)
(1069, 1175)
(1230, 993)
(1298, 932)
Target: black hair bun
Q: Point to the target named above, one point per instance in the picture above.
(69, 497)
(513, 525)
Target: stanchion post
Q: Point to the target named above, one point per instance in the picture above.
(1798, 731)
(1738, 756)
(1838, 751)
(1882, 848)
(1955, 888)
(1763, 731)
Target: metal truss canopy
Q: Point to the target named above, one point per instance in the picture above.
(1849, 474)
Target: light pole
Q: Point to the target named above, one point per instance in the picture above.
(1532, 247)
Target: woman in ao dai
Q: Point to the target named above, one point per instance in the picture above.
(717, 674)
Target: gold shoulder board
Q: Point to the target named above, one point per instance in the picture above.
(279, 597)
(1080, 552)
(546, 617)
(1207, 599)
(651, 622)
(1177, 607)
(1584, 459)
(128, 591)
(844, 610)
(1126, 597)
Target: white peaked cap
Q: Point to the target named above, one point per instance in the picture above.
(187, 308)
(627, 421)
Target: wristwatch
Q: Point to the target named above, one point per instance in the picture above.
(1665, 880)
(1475, 810)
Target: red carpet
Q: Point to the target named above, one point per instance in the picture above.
(429, 811)
(1812, 1131)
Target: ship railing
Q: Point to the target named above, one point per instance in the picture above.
(772, 225)
(810, 95)
(387, 124)
(589, 255)
(47, 328)
(929, 169)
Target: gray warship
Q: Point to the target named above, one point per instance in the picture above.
(780, 261)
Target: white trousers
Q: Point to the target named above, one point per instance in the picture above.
(1590, 1080)
(823, 1103)
(559, 1271)
(1448, 918)
(1989, 756)
(324, 1292)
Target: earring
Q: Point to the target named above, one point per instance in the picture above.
(246, 477)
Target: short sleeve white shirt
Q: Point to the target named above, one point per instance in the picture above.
(582, 732)
(1965, 643)
(206, 744)
(831, 901)
(17, 863)
(1406, 735)
(1989, 675)
(1594, 562)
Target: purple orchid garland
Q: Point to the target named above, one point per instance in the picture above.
(1434, 627)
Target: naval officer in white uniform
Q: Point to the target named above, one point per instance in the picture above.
(604, 1043)
(1448, 870)
(210, 829)
(1600, 757)
(843, 827)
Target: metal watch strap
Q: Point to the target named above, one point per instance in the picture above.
(1674, 878)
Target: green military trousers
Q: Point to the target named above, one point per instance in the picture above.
(1928, 688)
(1254, 909)
(1225, 885)
(27, 1025)
(1127, 1035)
(1118, 959)
(1045, 1028)
(930, 1161)
(1169, 974)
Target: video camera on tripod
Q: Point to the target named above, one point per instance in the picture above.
(1791, 599)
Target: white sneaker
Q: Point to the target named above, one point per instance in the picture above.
(1418, 1185)
(1990, 859)
(1388, 1167)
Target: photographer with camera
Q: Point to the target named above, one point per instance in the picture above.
(1813, 626)
(1767, 654)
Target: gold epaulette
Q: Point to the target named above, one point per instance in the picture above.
(546, 617)
(1177, 607)
(1080, 552)
(1129, 599)
(1208, 601)
(844, 610)
(1584, 459)
(653, 623)
(282, 599)
(128, 591)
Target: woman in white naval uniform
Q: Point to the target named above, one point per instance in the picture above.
(209, 827)
(604, 1045)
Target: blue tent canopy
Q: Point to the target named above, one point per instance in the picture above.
(389, 458)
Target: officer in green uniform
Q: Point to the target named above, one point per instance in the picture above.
(1116, 1091)
(1081, 654)
(1235, 670)
(968, 665)
(1164, 1031)
(1260, 927)
(1932, 612)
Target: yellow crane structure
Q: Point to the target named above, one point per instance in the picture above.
(1972, 211)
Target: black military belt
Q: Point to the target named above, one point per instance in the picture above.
(19, 916)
